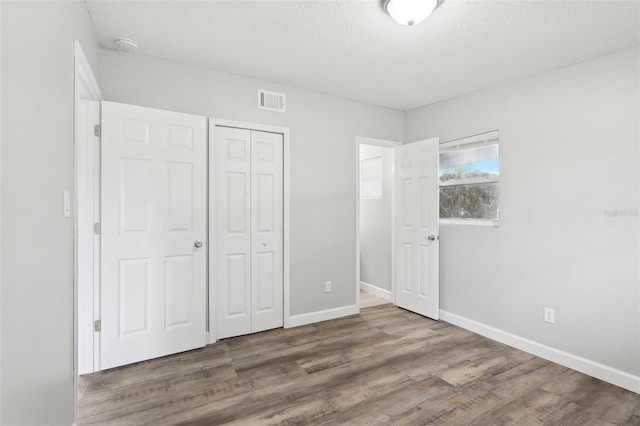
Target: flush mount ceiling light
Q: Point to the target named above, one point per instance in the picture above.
(410, 12)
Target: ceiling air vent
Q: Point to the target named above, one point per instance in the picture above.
(271, 100)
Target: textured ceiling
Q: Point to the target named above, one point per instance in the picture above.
(353, 49)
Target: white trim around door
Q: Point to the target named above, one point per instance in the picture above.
(286, 215)
(389, 144)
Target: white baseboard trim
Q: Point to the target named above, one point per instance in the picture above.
(385, 294)
(594, 369)
(327, 314)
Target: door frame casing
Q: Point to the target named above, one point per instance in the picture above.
(284, 131)
(361, 140)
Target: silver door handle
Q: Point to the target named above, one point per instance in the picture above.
(431, 238)
(264, 244)
(198, 243)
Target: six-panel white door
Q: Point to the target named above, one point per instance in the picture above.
(247, 261)
(417, 221)
(154, 174)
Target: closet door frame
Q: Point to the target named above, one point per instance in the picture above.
(213, 122)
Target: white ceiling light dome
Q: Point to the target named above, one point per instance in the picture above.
(410, 12)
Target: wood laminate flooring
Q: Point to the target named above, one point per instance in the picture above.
(367, 300)
(384, 366)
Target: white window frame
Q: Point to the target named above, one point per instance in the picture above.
(464, 143)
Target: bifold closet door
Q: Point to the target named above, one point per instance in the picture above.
(266, 231)
(232, 235)
(154, 212)
(248, 216)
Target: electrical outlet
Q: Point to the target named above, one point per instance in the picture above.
(327, 286)
(549, 316)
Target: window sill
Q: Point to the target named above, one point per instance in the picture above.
(471, 222)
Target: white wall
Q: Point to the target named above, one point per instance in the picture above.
(569, 152)
(37, 165)
(323, 129)
(375, 224)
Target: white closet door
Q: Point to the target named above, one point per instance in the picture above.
(153, 211)
(417, 222)
(266, 231)
(232, 234)
(248, 204)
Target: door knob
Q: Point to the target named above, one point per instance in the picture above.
(198, 243)
(264, 244)
(431, 238)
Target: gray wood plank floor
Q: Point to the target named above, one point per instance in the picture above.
(385, 366)
(367, 300)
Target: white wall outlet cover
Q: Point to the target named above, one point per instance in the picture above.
(549, 316)
(327, 286)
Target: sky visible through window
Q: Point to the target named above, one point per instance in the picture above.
(491, 165)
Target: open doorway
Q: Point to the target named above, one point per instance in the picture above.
(376, 271)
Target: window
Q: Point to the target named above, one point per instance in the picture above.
(470, 180)
(371, 178)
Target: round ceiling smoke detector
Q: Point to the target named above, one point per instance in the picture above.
(126, 44)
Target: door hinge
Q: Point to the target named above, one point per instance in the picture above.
(97, 325)
(96, 130)
(96, 228)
